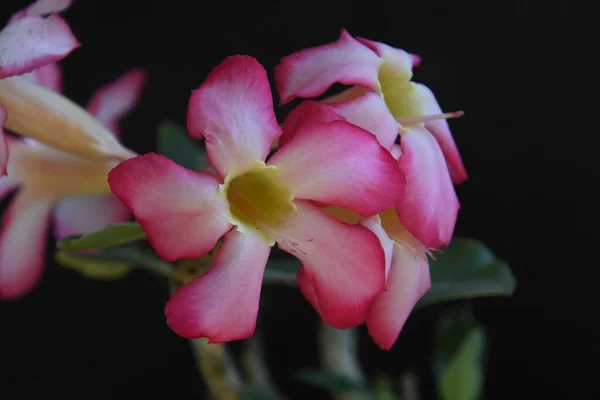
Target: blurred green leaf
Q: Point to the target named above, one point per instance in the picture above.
(459, 352)
(174, 142)
(93, 268)
(112, 235)
(108, 259)
(466, 269)
(257, 394)
(282, 271)
(332, 382)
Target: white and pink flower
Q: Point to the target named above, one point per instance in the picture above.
(54, 184)
(255, 202)
(385, 101)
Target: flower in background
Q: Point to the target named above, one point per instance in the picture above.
(256, 204)
(407, 269)
(29, 44)
(384, 100)
(71, 188)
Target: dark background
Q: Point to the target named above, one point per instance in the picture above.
(521, 70)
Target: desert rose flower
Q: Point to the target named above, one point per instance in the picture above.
(407, 268)
(52, 183)
(254, 203)
(34, 38)
(385, 101)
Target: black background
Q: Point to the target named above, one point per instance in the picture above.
(522, 72)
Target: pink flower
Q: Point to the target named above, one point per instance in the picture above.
(29, 45)
(256, 204)
(407, 268)
(384, 101)
(51, 182)
(30, 41)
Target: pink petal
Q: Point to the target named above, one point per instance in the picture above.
(429, 206)
(180, 210)
(310, 72)
(223, 303)
(340, 164)
(367, 111)
(400, 58)
(308, 111)
(233, 111)
(113, 101)
(374, 225)
(3, 144)
(81, 215)
(307, 289)
(7, 184)
(416, 60)
(441, 131)
(370, 112)
(396, 151)
(49, 76)
(31, 42)
(43, 7)
(22, 245)
(345, 264)
(407, 282)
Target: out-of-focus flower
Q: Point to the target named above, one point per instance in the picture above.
(385, 101)
(33, 39)
(51, 182)
(256, 204)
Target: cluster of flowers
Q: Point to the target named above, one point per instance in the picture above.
(358, 209)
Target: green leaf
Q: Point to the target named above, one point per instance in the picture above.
(112, 235)
(282, 271)
(257, 394)
(332, 382)
(466, 269)
(460, 348)
(134, 257)
(93, 268)
(174, 142)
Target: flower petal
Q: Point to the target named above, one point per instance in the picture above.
(54, 173)
(306, 112)
(441, 131)
(233, 111)
(113, 101)
(50, 118)
(180, 210)
(28, 43)
(3, 145)
(407, 282)
(400, 58)
(429, 206)
(223, 303)
(310, 72)
(7, 184)
(374, 225)
(81, 215)
(22, 245)
(43, 7)
(307, 289)
(340, 164)
(344, 263)
(370, 112)
(367, 111)
(49, 76)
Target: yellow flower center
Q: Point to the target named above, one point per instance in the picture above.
(258, 200)
(398, 91)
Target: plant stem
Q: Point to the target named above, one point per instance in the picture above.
(339, 354)
(214, 362)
